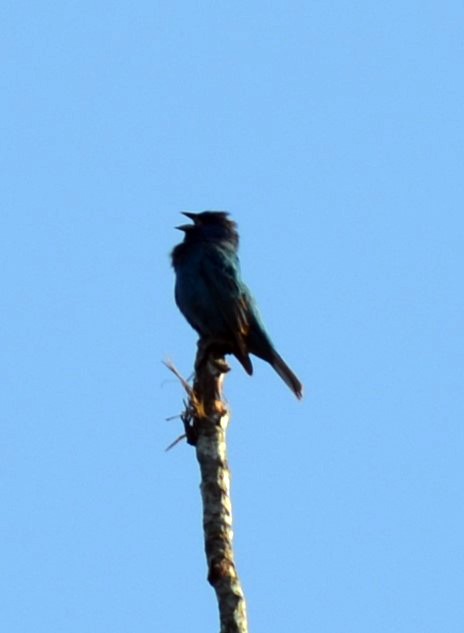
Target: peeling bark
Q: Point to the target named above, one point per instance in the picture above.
(206, 419)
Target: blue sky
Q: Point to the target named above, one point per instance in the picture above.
(333, 132)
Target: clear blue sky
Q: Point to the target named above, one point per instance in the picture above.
(333, 132)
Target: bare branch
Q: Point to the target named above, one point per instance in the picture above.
(206, 418)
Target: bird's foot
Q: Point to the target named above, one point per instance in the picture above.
(209, 353)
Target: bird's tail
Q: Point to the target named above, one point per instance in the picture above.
(286, 374)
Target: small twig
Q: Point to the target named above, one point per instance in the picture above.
(170, 365)
(176, 441)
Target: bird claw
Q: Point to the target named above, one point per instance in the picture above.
(220, 365)
(208, 355)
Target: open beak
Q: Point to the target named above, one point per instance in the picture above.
(190, 216)
(184, 227)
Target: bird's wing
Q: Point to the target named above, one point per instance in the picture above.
(221, 272)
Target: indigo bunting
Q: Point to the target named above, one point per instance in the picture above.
(210, 293)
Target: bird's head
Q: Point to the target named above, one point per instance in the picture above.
(210, 226)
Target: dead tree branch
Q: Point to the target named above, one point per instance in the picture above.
(205, 420)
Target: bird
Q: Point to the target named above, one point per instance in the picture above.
(210, 293)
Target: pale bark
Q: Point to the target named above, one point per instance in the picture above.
(206, 419)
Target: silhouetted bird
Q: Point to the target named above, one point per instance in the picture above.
(211, 295)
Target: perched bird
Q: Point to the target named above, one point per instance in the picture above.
(213, 298)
